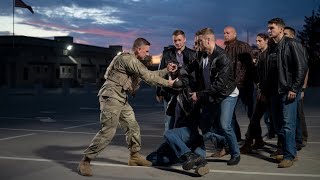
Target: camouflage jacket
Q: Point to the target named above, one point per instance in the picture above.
(124, 75)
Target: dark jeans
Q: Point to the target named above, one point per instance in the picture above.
(302, 131)
(246, 97)
(284, 115)
(254, 128)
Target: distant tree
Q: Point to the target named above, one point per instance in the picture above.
(310, 38)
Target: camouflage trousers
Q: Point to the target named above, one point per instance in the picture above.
(114, 112)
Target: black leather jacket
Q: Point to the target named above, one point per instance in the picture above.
(291, 64)
(221, 78)
(261, 69)
(169, 56)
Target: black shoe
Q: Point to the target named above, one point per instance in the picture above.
(258, 144)
(233, 161)
(299, 146)
(192, 160)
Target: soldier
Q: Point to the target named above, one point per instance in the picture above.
(123, 75)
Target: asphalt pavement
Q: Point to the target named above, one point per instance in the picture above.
(43, 135)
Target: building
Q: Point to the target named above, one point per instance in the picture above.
(28, 61)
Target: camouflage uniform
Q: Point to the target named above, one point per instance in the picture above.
(123, 75)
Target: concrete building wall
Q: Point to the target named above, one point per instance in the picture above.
(35, 61)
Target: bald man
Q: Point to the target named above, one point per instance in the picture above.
(241, 56)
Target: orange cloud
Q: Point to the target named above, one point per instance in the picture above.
(220, 42)
(156, 59)
(95, 31)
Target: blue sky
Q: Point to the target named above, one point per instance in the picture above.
(119, 22)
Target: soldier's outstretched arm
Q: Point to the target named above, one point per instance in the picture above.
(151, 77)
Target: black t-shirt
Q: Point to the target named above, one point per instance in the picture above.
(272, 77)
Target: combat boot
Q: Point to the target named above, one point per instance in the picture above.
(192, 160)
(84, 168)
(137, 160)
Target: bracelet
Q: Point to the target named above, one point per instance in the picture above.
(302, 90)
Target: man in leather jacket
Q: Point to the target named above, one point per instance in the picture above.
(241, 56)
(286, 71)
(218, 92)
(178, 54)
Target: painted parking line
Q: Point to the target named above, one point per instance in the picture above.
(39, 119)
(69, 132)
(14, 137)
(82, 125)
(172, 167)
(309, 142)
(86, 133)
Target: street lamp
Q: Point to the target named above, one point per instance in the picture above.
(69, 47)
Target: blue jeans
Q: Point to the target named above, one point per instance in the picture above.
(168, 120)
(177, 139)
(226, 112)
(217, 140)
(284, 112)
(299, 120)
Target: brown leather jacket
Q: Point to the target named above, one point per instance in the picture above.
(241, 55)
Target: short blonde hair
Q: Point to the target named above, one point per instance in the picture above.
(206, 31)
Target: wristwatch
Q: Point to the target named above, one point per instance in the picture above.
(302, 90)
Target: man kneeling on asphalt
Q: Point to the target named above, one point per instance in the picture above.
(183, 143)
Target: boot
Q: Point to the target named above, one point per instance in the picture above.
(285, 163)
(258, 144)
(219, 153)
(246, 148)
(84, 168)
(137, 160)
(278, 154)
(192, 160)
(202, 170)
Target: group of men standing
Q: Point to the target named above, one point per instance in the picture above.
(200, 88)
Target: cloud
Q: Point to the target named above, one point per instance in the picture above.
(28, 30)
(100, 15)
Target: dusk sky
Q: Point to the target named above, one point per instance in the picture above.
(119, 22)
